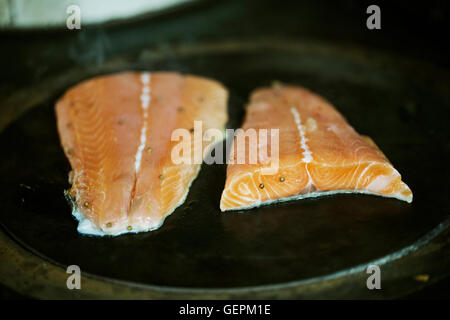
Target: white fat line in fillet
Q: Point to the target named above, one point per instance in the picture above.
(241, 197)
(307, 154)
(363, 173)
(145, 101)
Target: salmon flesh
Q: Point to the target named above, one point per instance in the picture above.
(116, 132)
(319, 153)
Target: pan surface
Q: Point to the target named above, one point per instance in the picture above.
(402, 104)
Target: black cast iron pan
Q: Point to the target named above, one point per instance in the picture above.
(309, 248)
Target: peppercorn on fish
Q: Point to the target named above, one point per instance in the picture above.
(319, 154)
(116, 132)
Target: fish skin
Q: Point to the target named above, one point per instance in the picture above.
(99, 123)
(319, 154)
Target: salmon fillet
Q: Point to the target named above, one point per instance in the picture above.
(116, 131)
(319, 153)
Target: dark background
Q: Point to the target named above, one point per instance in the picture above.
(417, 30)
(410, 28)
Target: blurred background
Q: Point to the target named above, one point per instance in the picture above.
(35, 42)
